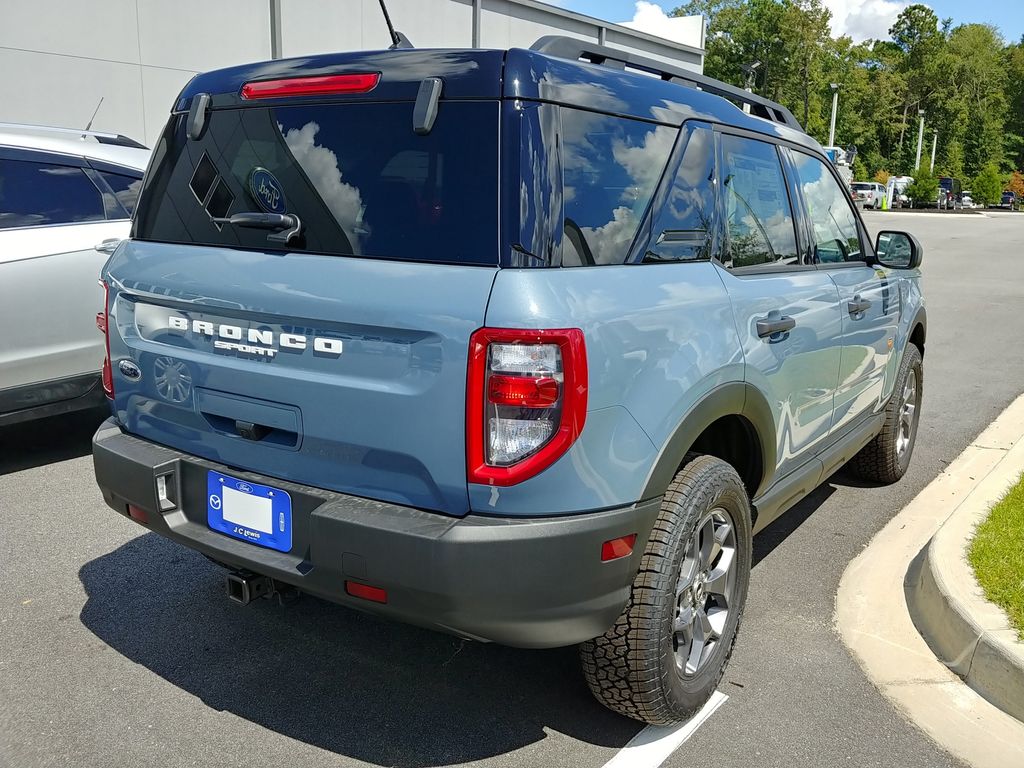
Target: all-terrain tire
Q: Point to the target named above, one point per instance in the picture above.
(632, 668)
(885, 459)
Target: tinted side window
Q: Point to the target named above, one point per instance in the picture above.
(683, 227)
(758, 213)
(34, 194)
(611, 167)
(836, 238)
(125, 188)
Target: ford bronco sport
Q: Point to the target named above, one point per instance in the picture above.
(518, 345)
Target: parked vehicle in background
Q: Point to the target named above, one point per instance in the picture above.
(1009, 200)
(967, 200)
(950, 190)
(544, 397)
(62, 192)
(869, 193)
(896, 190)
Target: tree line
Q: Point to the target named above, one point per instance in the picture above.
(967, 79)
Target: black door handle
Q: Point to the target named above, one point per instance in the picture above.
(858, 305)
(773, 324)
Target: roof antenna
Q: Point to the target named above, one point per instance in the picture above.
(89, 124)
(398, 40)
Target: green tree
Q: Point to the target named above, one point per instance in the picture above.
(968, 82)
(987, 186)
(973, 101)
(925, 188)
(1014, 135)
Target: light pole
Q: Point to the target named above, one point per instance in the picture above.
(920, 139)
(749, 72)
(832, 123)
(935, 140)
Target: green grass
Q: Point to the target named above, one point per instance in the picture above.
(997, 554)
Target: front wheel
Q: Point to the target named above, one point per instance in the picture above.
(668, 650)
(886, 458)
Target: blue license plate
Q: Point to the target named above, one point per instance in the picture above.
(255, 513)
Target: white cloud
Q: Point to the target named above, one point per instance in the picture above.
(864, 19)
(652, 19)
(321, 166)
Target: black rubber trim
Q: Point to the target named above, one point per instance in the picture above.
(732, 399)
(527, 582)
(50, 398)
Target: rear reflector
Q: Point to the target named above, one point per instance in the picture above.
(137, 514)
(310, 86)
(366, 592)
(616, 548)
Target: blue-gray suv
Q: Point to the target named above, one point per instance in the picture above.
(518, 345)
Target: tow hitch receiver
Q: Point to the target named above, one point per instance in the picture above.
(245, 586)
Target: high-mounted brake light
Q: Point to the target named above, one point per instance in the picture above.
(103, 324)
(322, 85)
(526, 401)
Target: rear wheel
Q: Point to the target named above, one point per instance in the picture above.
(886, 458)
(669, 648)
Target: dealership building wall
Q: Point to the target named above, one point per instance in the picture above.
(60, 57)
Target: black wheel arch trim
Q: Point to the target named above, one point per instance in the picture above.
(731, 399)
(920, 319)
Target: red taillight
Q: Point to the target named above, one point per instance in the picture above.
(617, 548)
(323, 85)
(103, 324)
(526, 401)
(366, 592)
(524, 391)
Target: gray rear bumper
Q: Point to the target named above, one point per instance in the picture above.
(532, 583)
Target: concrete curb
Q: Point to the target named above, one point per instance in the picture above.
(874, 621)
(970, 635)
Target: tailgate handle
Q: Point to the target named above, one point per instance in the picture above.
(251, 431)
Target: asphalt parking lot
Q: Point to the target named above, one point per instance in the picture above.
(119, 648)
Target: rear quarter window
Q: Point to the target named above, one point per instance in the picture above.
(611, 167)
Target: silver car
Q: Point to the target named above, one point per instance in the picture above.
(62, 193)
(869, 193)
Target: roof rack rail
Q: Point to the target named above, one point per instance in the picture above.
(115, 139)
(593, 53)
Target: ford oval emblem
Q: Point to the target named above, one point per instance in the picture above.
(244, 487)
(129, 370)
(266, 190)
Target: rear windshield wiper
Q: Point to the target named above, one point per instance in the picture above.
(275, 221)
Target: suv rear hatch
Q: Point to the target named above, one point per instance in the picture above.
(338, 359)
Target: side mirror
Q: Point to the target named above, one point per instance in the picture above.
(898, 250)
(108, 246)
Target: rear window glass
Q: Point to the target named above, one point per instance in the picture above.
(611, 167)
(356, 175)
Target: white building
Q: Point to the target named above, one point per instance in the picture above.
(60, 57)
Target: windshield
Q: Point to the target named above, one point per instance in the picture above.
(862, 187)
(361, 181)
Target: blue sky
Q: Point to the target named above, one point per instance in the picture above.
(859, 18)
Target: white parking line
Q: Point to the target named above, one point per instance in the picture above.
(653, 745)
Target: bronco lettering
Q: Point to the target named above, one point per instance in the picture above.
(260, 341)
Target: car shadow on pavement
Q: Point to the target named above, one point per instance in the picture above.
(370, 689)
(782, 527)
(44, 441)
